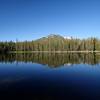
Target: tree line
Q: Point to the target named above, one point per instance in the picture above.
(52, 43)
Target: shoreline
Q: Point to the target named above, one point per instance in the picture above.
(54, 52)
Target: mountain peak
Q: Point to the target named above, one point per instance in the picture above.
(54, 35)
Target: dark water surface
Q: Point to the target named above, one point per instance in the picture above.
(46, 76)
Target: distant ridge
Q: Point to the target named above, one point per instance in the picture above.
(50, 36)
(54, 36)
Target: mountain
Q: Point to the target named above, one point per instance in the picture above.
(51, 42)
(51, 36)
(55, 36)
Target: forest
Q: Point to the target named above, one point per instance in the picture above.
(51, 43)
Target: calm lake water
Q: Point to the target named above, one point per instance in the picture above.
(50, 76)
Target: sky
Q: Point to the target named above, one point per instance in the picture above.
(32, 19)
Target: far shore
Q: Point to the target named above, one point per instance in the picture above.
(54, 52)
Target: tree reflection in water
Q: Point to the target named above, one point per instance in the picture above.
(52, 59)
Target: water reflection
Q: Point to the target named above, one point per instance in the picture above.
(52, 59)
(30, 78)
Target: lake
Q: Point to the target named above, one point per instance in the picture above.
(50, 76)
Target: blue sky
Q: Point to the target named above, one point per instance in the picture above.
(32, 19)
